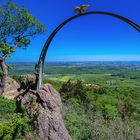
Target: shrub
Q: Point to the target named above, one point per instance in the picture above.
(14, 128)
(76, 120)
(114, 129)
(73, 90)
(12, 125)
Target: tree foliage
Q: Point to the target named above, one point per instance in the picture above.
(17, 27)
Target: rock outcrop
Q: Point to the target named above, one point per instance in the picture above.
(44, 109)
(11, 89)
(29, 82)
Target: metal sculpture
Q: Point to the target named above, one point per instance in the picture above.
(40, 65)
(81, 9)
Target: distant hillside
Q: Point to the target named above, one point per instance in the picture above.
(75, 67)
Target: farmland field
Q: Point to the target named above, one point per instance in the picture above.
(111, 74)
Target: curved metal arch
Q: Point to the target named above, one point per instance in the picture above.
(39, 67)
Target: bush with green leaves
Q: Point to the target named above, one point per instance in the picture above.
(76, 90)
(111, 115)
(13, 125)
(14, 128)
(76, 120)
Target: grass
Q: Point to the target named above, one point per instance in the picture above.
(7, 108)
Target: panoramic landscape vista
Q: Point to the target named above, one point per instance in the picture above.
(69, 70)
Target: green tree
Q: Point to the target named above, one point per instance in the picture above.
(17, 27)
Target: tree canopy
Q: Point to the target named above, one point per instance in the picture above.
(17, 27)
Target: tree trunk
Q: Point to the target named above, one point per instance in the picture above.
(3, 77)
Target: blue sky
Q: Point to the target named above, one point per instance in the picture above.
(90, 38)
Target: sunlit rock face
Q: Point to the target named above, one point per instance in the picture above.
(11, 89)
(44, 109)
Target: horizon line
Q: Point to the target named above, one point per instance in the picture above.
(77, 61)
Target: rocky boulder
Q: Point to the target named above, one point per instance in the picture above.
(29, 82)
(44, 109)
(11, 89)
